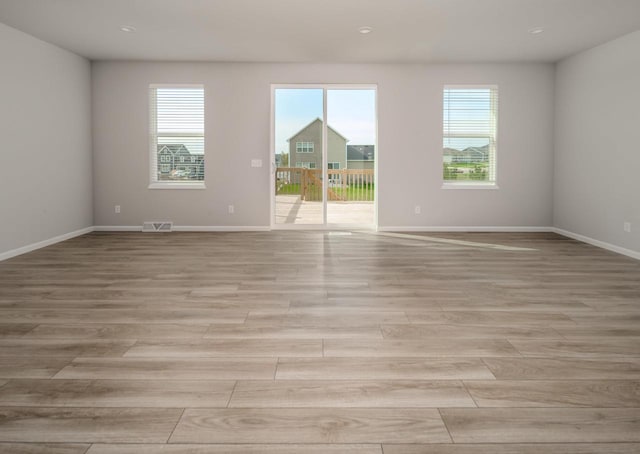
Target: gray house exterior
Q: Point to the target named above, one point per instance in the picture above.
(175, 162)
(361, 157)
(305, 147)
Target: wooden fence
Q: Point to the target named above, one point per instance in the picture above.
(345, 185)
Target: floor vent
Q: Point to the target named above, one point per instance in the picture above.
(164, 226)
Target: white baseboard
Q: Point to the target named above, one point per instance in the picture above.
(187, 228)
(598, 243)
(523, 229)
(44, 243)
(221, 228)
(117, 228)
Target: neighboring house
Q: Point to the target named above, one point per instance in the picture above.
(469, 155)
(305, 147)
(361, 157)
(176, 162)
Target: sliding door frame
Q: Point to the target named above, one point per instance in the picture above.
(272, 157)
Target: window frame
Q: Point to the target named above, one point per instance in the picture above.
(492, 137)
(154, 183)
(305, 147)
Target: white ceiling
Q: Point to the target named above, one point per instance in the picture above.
(325, 30)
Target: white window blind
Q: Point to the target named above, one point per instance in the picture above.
(470, 121)
(177, 133)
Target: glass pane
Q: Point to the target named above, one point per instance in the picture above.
(351, 155)
(298, 148)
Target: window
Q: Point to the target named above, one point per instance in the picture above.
(306, 165)
(304, 147)
(469, 135)
(177, 128)
(333, 165)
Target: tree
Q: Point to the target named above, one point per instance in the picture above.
(284, 159)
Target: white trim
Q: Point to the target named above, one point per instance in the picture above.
(117, 228)
(598, 243)
(461, 185)
(221, 228)
(166, 185)
(40, 244)
(187, 228)
(490, 228)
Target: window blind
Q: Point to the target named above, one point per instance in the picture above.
(469, 133)
(177, 133)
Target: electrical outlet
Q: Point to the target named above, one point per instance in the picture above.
(627, 227)
(417, 209)
(232, 209)
(117, 208)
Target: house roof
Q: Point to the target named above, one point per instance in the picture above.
(361, 153)
(174, 147)
(312, 122)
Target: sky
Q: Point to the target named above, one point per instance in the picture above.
(350, 112)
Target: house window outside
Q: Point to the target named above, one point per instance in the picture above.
(176, 127)
(306, 165)
(470, 116)
(333, 165)
(304, 147)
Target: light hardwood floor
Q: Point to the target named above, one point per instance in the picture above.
(307, 342)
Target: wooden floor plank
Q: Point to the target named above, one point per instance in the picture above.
(349, 393)
(31, 367)
(555, 393)
(116, 393)
(586, 348)
(87, 425)
(43, 448)
(419, 348)
(320, 320)
(553, 425)
(118, 331)
(226, 348)
(467, 332)
(267, 332)
(15, 329)
(169, 369)
(492, 318)
(334, 425)
(63, 347)
(381, 369)
(564, 368)
(237, 449)
(506, 448)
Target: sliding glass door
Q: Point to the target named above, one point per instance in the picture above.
(323, 156)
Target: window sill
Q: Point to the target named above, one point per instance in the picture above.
(461, 185)
(167, 185)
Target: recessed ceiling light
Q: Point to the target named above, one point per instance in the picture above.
(365, 30)
(536, 30)
(127, 28)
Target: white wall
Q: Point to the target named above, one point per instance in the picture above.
(45, 147)
(597, 144)
(238, 129)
